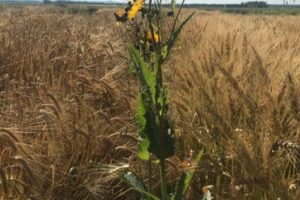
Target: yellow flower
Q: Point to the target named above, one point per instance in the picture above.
(137, 5)
(150, 38)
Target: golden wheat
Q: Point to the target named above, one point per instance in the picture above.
(66, 105)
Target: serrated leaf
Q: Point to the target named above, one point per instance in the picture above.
(148, 139)
(144, 142)
(163, 100)
(146, 75)
(152, 101)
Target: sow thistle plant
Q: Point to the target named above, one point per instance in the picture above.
(148, 51)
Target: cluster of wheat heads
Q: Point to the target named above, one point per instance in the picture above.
(237, 95)
(63, 103)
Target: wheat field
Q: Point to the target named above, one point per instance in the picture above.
(67, 105)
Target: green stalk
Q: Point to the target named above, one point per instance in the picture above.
(149, 177)
(163, 184)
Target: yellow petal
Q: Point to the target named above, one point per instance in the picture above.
(150, 38)
(135, 8)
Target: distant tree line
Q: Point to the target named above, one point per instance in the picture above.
(254, 4)
(247, 4)
(64, 2)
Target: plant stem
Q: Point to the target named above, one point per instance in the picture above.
(149, 177)
(176, 19)
(164, 193)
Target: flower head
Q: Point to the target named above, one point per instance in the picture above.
(150, 38)
(136, 6)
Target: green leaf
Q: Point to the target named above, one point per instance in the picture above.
(169, 140)
(147, 137)
(156, 161)
(138, 185)
(155, 130)
(163, 101)
(199, 156)
(185, 179)
(143, 149)
(151, 196)
(148, 126)
(179, 188)
(164, 51)
(192, 171)
(146, 75)
(140, 113)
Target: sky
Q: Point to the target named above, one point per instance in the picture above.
(230, 1)
(199, 1)
(235, 1)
